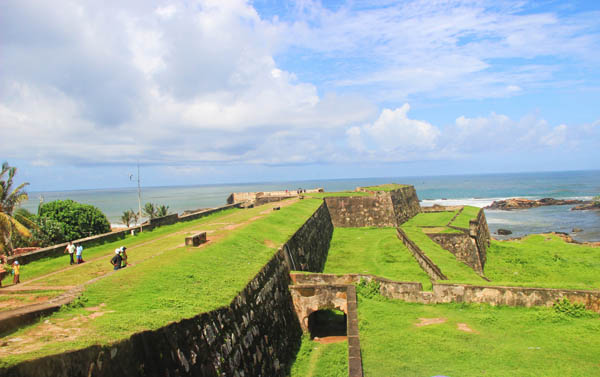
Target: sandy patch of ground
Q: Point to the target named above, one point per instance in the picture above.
(271, 244)
(464, 327)
(430, 321)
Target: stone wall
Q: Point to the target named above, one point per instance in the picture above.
(462, 246)
(381, 209)
(307, 249)
(164, 220)
(361, 211)
(447, 293)
(513, 296)
(478, 229)
(430, 268)
(405, 203)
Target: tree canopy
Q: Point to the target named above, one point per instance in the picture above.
(10, 198)
(79, 220)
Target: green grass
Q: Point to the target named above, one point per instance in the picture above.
(543, 261)
(321, 195)
(179, 283)
(509, 341)
(376, 251)
(321, 360)
(51, 264)
(468, 213)
(385, 187)
(454, 269)
(430, 219)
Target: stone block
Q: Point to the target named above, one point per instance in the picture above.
(196, 239)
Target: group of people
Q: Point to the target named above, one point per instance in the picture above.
(119, 260)
(76, 250)
(5, 268)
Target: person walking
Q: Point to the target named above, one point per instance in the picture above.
(116, 259)
(71, 250)
(123, 257)
(4, 267)
(79, 254)
(16, 272)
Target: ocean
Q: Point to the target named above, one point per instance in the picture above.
(477, 190)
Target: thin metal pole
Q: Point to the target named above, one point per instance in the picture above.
(139, 196)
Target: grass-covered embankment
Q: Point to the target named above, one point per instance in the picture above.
(505, 341)
(385, 187)
(321, 360)
(321, 195)
(543, 260)
(467, 214)
(375, 251)
(179, 283)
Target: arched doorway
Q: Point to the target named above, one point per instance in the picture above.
(327, 323)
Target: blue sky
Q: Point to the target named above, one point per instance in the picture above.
(204, 92)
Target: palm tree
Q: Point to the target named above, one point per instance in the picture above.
(9, 199)
(150, 210)
(162, 210)
(129, 217)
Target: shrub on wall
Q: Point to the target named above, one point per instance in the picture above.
(79, 220)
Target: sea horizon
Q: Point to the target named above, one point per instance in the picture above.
(478, 190)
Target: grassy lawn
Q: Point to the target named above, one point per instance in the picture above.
(543, 261)
(454, 269)
(376, 251)
(385, 187)
(51, 264)
(321, 360)
(430, 219)
(506, 341)
(176, 284)
(468, 213)
(321, 195)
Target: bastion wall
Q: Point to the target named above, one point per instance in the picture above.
(381, 209)
(257, 334)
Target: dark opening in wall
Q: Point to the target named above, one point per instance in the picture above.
(324, 323)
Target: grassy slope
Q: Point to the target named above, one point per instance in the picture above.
(430, 219)
(468, 213)
(385, 187)
(177, 284)
(454, 269)
(321, 360)
(321, 195)
(509, 341)
(543, 261)
(376, 251)
(51, 264)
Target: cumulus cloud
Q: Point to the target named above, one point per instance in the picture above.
(187, 82)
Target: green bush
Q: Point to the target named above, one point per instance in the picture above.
(48, 232)
(368, 289)
(565, 307)
(79, 220)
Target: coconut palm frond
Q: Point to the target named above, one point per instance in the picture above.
(20, 228)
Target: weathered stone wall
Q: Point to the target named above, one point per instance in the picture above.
(446, 293)
(164, 220)
(430, 268)
(405, 203)
(478, 229)
(269, 199)
(307, 249)
(361, 211)
(462, 246)
(513, 296)
(381, 209)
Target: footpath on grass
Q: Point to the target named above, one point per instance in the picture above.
(166, 281)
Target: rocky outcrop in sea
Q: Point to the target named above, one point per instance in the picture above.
(520, 203)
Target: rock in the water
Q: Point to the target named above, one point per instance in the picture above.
(520, 203)
(577, 230)
(587, 205)
(504, 232)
